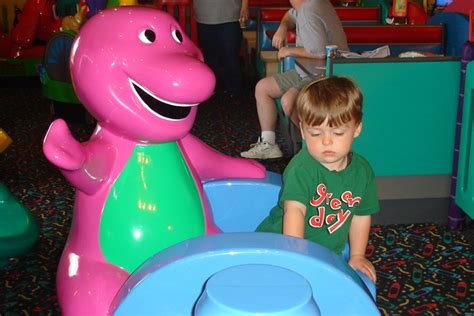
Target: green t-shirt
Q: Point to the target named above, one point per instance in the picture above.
(331, 198)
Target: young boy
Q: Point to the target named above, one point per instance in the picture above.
(328, 192)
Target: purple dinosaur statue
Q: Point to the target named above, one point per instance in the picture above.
(138, 178)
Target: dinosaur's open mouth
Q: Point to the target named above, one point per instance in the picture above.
(165, 109)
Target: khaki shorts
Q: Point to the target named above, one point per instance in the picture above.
(290, 79)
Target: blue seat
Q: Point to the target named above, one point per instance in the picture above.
(239, 205)
(457, 29)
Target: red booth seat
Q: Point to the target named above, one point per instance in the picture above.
(424, 38)
(345, 14)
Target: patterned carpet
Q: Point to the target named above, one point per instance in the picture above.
(423, 269)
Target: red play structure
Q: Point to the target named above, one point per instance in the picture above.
(27, 39)
(414, 13)
(460, 6)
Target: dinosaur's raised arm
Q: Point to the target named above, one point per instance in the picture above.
(85, 165)
(61, 148)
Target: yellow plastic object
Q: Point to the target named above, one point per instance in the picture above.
(5, 140)
(400, 8)
(127, 2)
(117, 3)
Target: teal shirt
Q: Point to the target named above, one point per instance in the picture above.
(331, 198)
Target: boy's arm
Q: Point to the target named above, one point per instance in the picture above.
(296, 52)
(313, 41)
(293, 218)
(279, 38)
(358, 239)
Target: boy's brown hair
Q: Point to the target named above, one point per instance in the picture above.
(338, 99)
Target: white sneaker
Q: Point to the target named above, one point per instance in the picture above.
(262, 150)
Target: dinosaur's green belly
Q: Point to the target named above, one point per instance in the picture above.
(153, 204)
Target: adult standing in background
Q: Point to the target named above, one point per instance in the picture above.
(317, 25)
(220, 37)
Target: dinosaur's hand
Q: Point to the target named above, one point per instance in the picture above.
(61, 148)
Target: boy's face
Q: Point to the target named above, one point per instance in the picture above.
(330, 145)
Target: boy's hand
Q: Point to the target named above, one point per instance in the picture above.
(279, 38)
(360, 262)
(283, 52)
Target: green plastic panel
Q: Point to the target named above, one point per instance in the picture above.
(19, 67)
(384, 7)
(465, 177)
(409, 114)
(153, 204)
(59, 91)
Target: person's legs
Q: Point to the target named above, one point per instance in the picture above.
(266, 91)
(288, 100)
(230, 39)
(287, 86)
(207, 35)
(288, 104)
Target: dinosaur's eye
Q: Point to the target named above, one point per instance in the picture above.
(147, 36)
(177, 36)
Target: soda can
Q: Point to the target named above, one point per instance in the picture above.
(331, 51)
